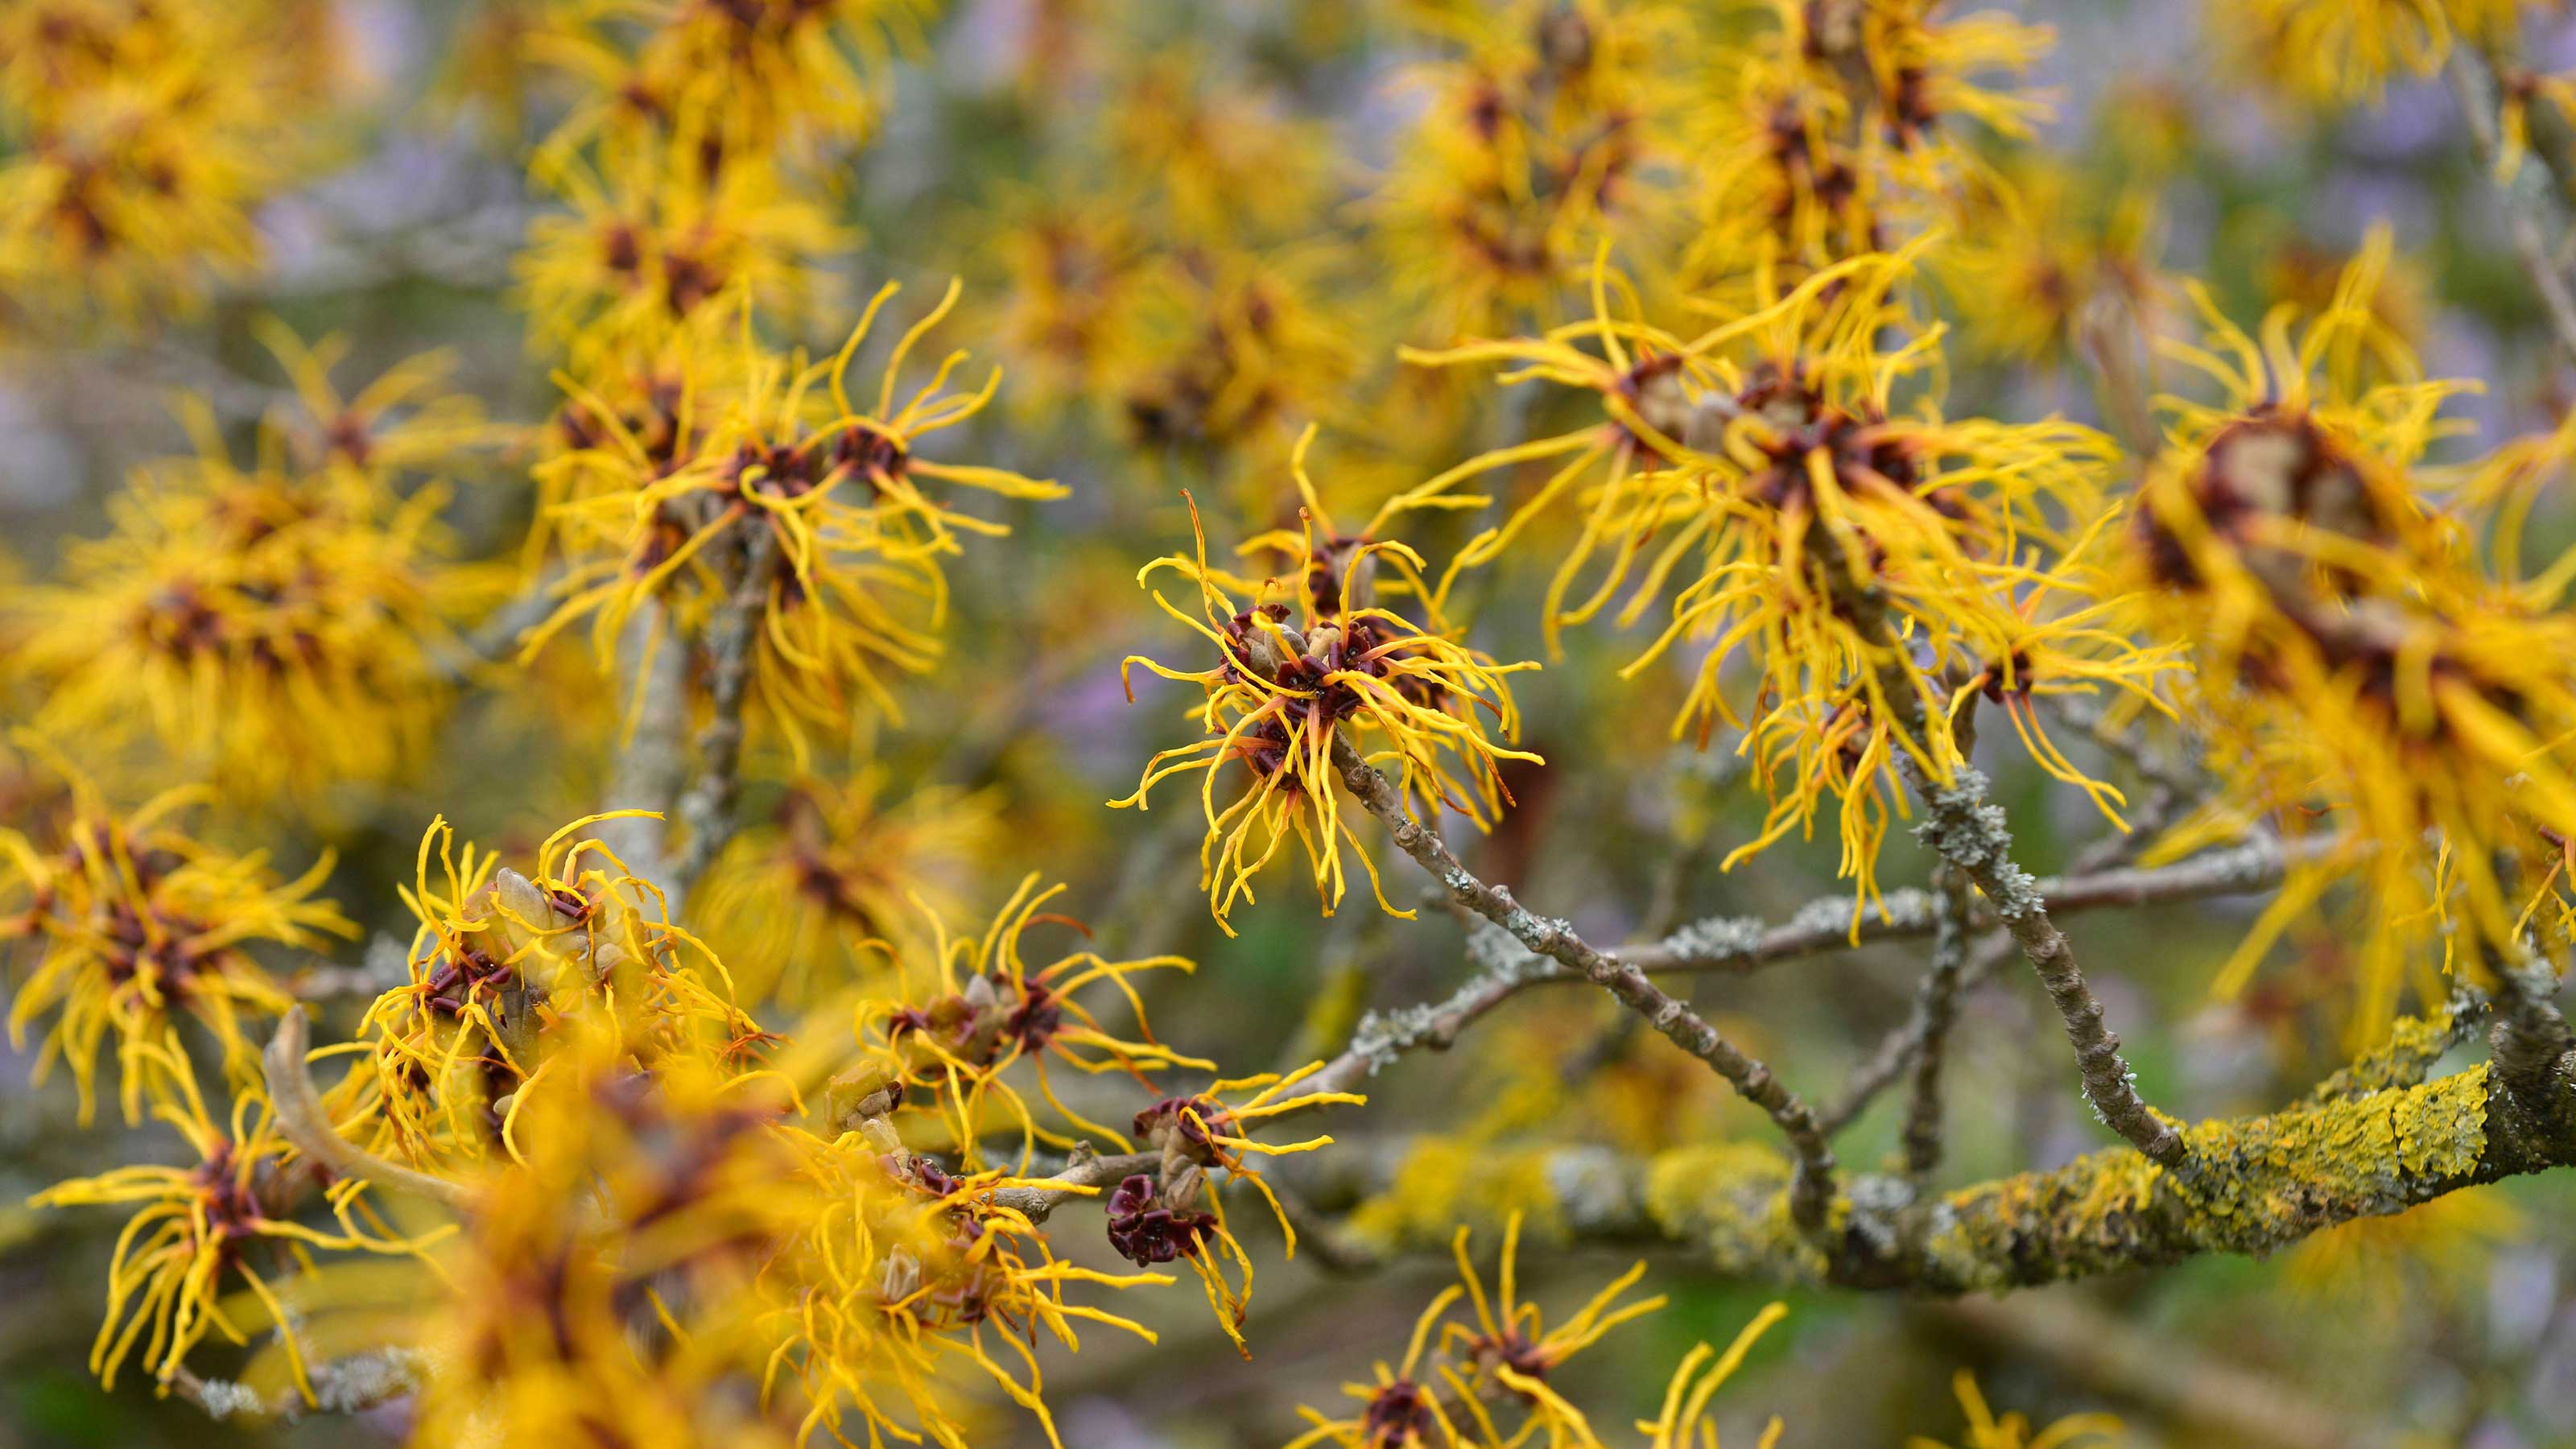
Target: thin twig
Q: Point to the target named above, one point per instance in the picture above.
(1743, 946)
(1556, 940)
(1972, 836)
(1898, 1049)
(1936, 1004)
(1936, 999)
(351, 1385)
(730, 639)
(301, 1116)
(654, 765)
(1082, 1175)
(2525, 194)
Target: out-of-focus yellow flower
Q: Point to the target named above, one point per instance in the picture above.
(754, 77)
(407, 421)
(1280, 697)
(1071, 272)
(2343, 51)
(665, 240)
(1227, 351)
(277, 633)
(1541, 136)
(839, 882)
(607, 1285)
(148, 131)
(2312, 279)
(2013, 1431)
(788, 472)
(1191, 141)
(1826, 135)
(195, 1228)
(2035, 262)
(2359, 669)
(131, 920)
(2387, 1264)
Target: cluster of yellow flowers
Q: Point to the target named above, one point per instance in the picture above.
(1281, 697)
(727, 1137)
(279, 629)
(143, 133)
(2373, 660)
(694, 465)
(1847, 567)
(128, 919)
(568, 1073)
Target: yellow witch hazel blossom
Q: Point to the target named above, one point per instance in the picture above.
(634, 1189)
(129, 921)
(1484, 1386)
(663, 1240)
(410, 420)
(776, 1116)
(2040, 259)
(904, 1267)
(198, 1230)
(765, 75)
(840, 882)
(144, 133)
(1348, 673)
(2349, 50)
(784, 473)
(2361, 673)
(1762, 477)
(1225, 350)
(2013, 1431)
(663, 244)
(947, 1040)
(280, 632)
(2389, 1266)
(500, 963)
(1511, 1345)
(1686, 1421)
(1540, 135)
(1843, 126)
(1155, 1217)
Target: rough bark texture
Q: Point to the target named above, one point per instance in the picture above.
(2375, 1139)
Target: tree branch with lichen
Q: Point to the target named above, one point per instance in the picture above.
(2249, 1185)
